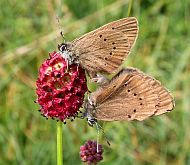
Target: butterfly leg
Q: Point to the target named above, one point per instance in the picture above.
(67, 68)
(100, 79)
(90, 100)
(77, 67)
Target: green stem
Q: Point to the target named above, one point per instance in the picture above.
(129, 8)
(59, 143)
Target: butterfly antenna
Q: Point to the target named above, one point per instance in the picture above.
(59, 24)
(100, 127)
(98, 136)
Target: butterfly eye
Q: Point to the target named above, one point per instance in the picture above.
(62, 47)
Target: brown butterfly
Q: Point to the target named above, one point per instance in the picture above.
(103, 49)
(130, 95)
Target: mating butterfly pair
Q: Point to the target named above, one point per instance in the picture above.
(130, 94)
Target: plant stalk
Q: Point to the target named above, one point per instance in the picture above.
(59, 143)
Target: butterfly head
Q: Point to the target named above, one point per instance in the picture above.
(64, 49)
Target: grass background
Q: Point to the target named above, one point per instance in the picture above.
(29, 30)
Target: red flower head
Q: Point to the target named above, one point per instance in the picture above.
(60, 88)
(89, 153)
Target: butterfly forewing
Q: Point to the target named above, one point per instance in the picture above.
(105, 48)
(128, 26)
(139, 97)
(99, 56)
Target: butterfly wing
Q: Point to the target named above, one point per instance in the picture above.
(139, 97)
(105, 48)
(104, 92)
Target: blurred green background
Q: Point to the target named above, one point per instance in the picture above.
(29, 30)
